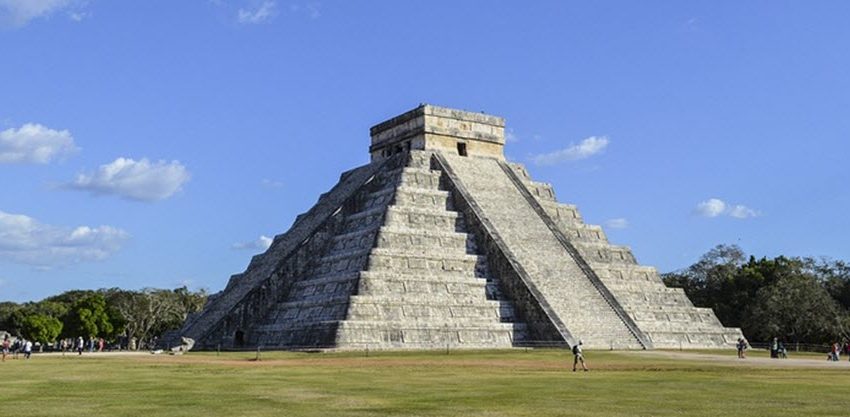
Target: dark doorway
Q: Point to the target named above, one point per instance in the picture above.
(239, 338)
(461, 149)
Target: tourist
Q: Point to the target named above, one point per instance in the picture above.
(774, 348)
(847, 348)
(27, 349)
(578, 357)
(100, 344)
(80, 345)
(742, 348)
(6, 346)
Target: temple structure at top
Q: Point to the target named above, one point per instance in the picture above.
(432, 128)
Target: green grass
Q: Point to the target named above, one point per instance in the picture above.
(490, 383)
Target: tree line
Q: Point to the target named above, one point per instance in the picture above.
(795, 299)
(113, 314)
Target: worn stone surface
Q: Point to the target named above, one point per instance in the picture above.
(425, 248)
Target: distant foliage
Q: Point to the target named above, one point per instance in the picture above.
(41, 328)
(88, 317)
(795, 299)
(113, 314)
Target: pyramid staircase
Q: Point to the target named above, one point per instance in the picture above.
(399, 271)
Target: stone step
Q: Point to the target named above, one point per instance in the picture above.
(419, 218)
(421, 197)
(716, 339)
(406, 285)
(626, 272)
(325, 287)
(430, 276)
(381, 335)
(642, 287)
(429, 300)
(341, 262)
(654, 316)
(423, 239)
(363, 220)
(430, 313)
(420, 178)
(563, 214)
(379, 198)
(603, 253)
(639, 286)
(417, 261)
(542, 191)
(327, 279)
(681, 327)
(321, 334)
(583, 233)
(359, 239)
(638, 299)
(307, 311)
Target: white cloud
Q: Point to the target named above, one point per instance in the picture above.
(715, 207)
(587, 148)
(135, 180)
(34, 143)
(262, 13)
(25, 240)
(742, 212)
(262, 243)
(618, 223)
(712, 207)
(271, 183)
(78, 15)
(18, 13)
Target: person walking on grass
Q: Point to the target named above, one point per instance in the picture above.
(742, 348)
(80, 345)
(6, 346)
(578, 357)
(27, 349)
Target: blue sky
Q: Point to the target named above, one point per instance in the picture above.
(161, 143)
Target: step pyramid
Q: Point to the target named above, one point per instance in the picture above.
(439, 242)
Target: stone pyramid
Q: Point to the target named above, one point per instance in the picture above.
(439, 242)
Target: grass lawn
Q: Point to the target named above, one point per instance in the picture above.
(490, 383)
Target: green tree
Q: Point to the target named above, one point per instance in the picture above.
(711, 282)
(150, 312)
(7, 317)
(41, 328)
(795, 308)
(88, 317)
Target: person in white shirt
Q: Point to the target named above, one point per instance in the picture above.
(578, 357)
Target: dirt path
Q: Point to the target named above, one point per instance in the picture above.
(750, 361)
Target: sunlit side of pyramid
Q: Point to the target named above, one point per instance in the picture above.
(440, 242)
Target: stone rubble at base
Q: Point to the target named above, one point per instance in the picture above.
(439, 242)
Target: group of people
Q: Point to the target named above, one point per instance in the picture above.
(777, 349)
(79, 345)
(16, 348)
